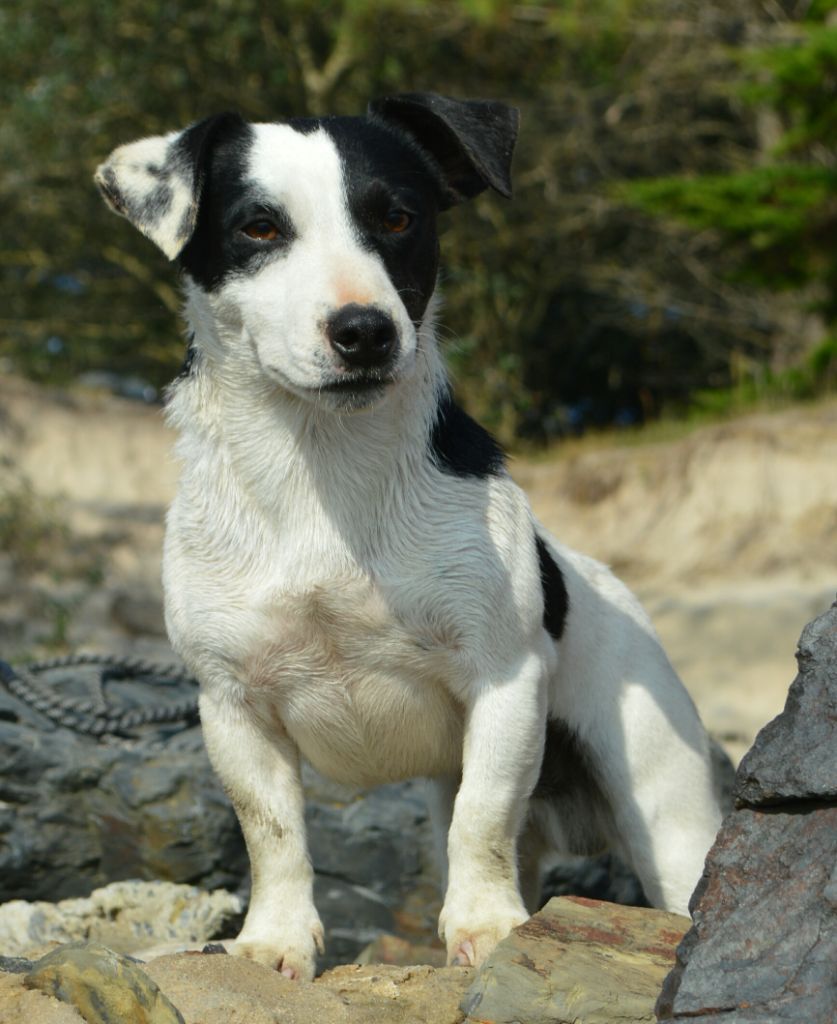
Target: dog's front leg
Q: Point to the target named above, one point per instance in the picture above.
(261, 777)
(503, 747)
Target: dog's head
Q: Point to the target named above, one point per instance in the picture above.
(313, 243)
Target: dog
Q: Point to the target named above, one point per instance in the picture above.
(349, 569)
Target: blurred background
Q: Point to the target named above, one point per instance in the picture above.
(670, 245)
(649, 325)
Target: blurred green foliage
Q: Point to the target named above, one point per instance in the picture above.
(778, 218)
(570, 303)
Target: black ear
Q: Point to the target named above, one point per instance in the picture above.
(472, 141)
(156, 183)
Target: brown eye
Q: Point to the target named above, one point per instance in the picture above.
(397, 221)
(262, 231)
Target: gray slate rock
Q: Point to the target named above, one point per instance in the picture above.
(763, 946)
(795, 755)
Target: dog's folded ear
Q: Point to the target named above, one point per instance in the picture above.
(157, 182)
(471, 141)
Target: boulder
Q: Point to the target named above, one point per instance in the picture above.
(578, 961)
(125, 916)
(763, 946)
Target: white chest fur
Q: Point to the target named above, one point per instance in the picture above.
(362, 693)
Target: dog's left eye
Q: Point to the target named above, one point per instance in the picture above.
(261, 230)
(397, 221)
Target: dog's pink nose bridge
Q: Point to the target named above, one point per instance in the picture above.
(347, 292)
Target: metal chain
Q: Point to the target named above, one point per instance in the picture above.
(87, 715)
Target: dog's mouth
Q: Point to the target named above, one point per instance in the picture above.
(355, 390)
(355, 385)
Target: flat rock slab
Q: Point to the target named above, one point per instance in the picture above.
(577, 961)
(795, 756)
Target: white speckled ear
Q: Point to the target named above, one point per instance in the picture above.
(152, 183)
(156, 182)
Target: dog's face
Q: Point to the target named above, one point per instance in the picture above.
(313, 243)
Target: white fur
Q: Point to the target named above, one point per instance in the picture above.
(343, 599)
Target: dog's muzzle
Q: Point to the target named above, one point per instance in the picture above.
(364, 337)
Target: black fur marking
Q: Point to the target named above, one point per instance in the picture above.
(460, 446)
(218, 247)
(471, 141)
(565, 768)
(384, 171)
(556, 602)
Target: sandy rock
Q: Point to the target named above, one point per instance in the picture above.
(125, 916)
(230, 990)
(386, 994)
(104, 987)
(223, 989)
(577, 961)
(763, 946)
(20, 1005)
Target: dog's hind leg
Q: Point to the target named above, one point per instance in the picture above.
(261, 777)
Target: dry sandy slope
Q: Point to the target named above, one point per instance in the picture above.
(728, 534)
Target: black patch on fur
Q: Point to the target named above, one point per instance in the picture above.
(385, 171)
(218, 247)
(460, 446)
(556, 603)
(565, 768)
(471, 141)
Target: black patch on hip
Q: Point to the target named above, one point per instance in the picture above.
(460, 446)
(556, 602)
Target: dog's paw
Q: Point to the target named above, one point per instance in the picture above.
(294, 955)
(471, 938)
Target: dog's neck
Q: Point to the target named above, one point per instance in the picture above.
(282, 452)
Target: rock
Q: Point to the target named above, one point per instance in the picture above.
(77, 813)
(232, 990)
(104, 987)
(794, 756)
(385, 994)
(764, 941)
(125, 916)
(577, 961)
(20, 1005)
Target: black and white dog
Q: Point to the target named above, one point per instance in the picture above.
(349, 570)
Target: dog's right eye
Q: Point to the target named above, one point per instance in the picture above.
(261, 230)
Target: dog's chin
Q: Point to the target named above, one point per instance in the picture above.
(342, 394)
(352, 395)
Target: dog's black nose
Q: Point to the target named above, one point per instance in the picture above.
(363, 336)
